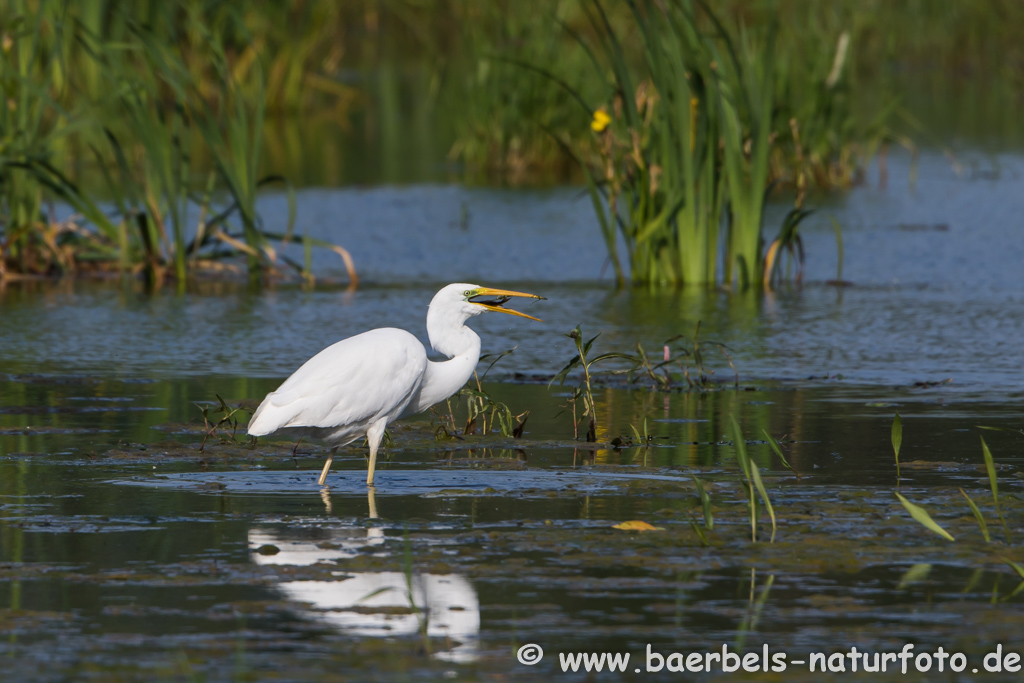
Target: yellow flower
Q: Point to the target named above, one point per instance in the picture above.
(601, 120)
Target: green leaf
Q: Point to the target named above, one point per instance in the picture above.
(561, 374)
(705, 500)
(991, 467)
(778, 451)
(923, 518)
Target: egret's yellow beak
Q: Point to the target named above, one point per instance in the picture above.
(502, 296)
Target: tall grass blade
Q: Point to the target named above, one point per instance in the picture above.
(922, 517)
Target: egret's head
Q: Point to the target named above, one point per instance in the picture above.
(470, 300)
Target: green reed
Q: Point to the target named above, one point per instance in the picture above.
(582, 398)
(682, 143)
(172, 125)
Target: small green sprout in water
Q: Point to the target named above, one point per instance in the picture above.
(705, 501)
(897, 441)
(991, 467)
(483, 410)
(753, 481)
(228, 419)
(642, 439)
(922, 517)
(696, 352)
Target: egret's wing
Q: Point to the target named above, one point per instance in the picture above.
(356, 381)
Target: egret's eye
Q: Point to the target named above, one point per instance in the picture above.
(468, 293)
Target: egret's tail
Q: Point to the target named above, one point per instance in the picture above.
(259, 424)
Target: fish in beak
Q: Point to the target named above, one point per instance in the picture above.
(501, 297)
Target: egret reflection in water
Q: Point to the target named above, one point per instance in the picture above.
(368, 604)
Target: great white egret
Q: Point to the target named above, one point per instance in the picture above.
(357, 386)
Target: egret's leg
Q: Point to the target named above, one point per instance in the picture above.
(327, 466)
(374, 435)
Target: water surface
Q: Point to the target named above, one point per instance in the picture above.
(136, 544)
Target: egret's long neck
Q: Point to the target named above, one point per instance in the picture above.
(448, 335)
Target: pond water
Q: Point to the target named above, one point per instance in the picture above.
(136, 545)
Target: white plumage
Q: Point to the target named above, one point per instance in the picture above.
(357, 386)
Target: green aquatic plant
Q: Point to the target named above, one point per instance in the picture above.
(777, 449)
(753, 481)
(994, 484)
(483, 410)
(582, 398)
(682, 142)
(692, 356)
(227, 419)
(789, 241)
(705, 502)
(701, 535)
(745, 84)
(491, 413)
(642, 439)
